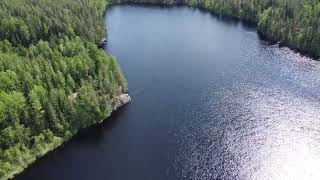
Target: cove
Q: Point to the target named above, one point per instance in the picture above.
(210, 101)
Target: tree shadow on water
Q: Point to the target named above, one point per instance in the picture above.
(95, 134)
(88, 137)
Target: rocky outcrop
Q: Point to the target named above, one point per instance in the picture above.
(103, 43)
(121, 100)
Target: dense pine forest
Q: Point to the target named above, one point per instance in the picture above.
(295, 23)
(53, 78)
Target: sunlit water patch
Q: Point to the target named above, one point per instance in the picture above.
(210, 100)
(257, 129)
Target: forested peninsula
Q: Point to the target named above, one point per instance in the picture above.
(294, 23)
(53, 78)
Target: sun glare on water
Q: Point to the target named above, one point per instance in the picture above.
(291, 149)
(293, 161)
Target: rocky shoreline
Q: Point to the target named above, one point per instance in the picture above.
(121, 100)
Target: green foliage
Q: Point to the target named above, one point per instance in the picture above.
(53, 78)
(51, 90)
(24, 22)
(15, 30)
(292, 22)
(296, 23)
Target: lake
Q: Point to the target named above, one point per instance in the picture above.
(211, 100)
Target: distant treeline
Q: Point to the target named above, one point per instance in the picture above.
(295, 23)
(53, 78)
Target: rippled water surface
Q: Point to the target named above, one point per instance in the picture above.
(210, 101)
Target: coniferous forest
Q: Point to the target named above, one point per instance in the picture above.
(54, 80)
(295, 23)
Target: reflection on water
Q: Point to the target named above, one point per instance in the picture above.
(210, 101)
(291, 146)
(258, 130)
(271, 135)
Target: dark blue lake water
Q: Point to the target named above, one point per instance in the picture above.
(211, 100)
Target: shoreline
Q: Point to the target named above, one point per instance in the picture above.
(248, 22)
(60, 142)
